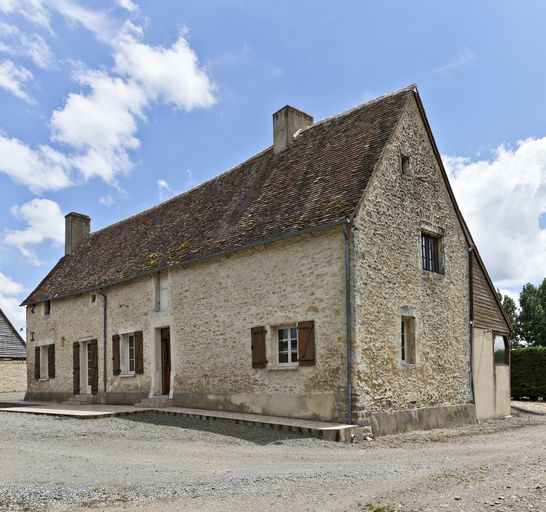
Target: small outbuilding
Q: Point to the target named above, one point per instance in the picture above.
(13, 358)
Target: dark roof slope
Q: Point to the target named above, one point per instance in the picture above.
(317, 181)
(12, 345)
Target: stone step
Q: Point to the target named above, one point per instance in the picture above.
(158, 401)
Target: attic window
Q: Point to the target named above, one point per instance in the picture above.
(47, 308)
(405, 165)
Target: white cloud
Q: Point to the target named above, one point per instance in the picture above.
(9, 287)
(10, 291)
(13, 78)
(169, 74)
(39, 169)
(465, 56)
(98, 126)
(45, 222)
(106, 200)
(34, 11)
(502, 200)
(33, 46)
(128, 5)
(164, 190)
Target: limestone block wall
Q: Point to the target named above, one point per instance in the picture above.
(214, 304)
(388, 277)
(13, 375)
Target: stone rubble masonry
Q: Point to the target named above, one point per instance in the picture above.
(13, 375)
(388, 278)
(214, 304)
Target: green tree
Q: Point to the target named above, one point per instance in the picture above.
(531, 325)
(511, 309)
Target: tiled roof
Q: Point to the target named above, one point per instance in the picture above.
(316, 182)
(12, 345)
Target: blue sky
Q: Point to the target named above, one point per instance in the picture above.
(109, 107)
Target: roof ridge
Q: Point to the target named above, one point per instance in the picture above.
(408, 88)
(411, 87)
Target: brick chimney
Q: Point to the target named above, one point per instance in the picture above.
(286, 122)
(77, 228)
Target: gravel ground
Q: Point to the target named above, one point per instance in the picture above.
(154, 462)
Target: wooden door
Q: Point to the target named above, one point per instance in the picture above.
(165, 361)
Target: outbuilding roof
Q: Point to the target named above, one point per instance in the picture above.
(316, 182)
(12, 345)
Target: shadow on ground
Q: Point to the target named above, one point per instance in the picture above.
(250, 432)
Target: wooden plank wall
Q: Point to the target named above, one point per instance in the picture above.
(486, 309)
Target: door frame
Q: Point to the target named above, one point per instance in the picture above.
(166, 361)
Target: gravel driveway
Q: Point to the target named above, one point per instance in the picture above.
(153, 462)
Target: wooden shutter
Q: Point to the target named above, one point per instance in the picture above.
(76, 367)
(94, 367)
(306, 343)
(259, 359)
(51, 361)
(139, 352)
(116, 364)
(37, 362)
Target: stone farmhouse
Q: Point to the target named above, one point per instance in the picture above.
(330, 277)
(13, 355)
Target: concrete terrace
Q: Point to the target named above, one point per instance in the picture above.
(321, 429)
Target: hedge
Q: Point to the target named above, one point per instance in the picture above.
(528, 370)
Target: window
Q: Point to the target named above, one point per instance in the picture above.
(44, 362)
(47, 307)
(162, 295)
(502, 350)
(407, 339)
(128, 354)
(430, 253)
(287, 345)
(405, 165)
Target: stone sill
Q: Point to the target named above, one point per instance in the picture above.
(283, 368)
(127, 375)
(408, 366)
(44, 380)
(433, 275)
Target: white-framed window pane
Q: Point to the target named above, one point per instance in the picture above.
(44, 363)
(283, 346)
(131, 351)
(293, 345)
(89, 368)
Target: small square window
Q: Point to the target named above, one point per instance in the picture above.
(287, 345)
(430, 253)
(405, 165)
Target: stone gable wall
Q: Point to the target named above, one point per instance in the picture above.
(388, 280)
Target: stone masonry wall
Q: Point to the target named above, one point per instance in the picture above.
(13, 375)
(388, 276)
(214, 304)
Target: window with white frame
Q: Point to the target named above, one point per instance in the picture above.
(287, 345)
(44, 362)
(162, 292)
(127, 353)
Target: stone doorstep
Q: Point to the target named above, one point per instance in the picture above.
(320, 429)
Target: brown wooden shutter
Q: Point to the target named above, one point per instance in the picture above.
(37, 362)
(139, 352)
(94, 367)
(76, 367)
(116, 364)
(306, 343)
(51, 361)
(259, 359)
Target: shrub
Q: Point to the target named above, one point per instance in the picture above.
(529, 372)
